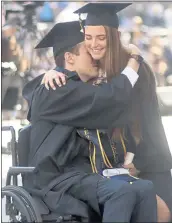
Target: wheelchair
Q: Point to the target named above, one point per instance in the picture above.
(20, 205)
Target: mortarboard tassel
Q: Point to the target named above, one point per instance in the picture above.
(81, 23)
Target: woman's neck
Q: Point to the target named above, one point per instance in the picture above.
(102, 64)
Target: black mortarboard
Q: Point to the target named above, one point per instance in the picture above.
(102, 13)
(62, 36)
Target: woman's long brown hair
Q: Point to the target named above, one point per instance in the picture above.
(116, 59)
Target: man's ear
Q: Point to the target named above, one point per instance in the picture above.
(69, 57)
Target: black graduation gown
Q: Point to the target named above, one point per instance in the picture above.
(56, 150)
(153, 153)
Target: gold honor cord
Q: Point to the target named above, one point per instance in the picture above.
(105, 158)
(92, 158)
(123, 145)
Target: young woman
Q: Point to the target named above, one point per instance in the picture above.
(152, 155)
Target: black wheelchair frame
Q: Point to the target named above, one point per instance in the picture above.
(20, 205)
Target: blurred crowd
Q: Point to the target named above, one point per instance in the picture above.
(147, 25)
(151, 30)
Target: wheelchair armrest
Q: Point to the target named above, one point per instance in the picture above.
(14, 171)
(7, 128)
(19, 170)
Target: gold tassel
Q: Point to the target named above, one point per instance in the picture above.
(80, 22)
(123, 145)
(91, 161)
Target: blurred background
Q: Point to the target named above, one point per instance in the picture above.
(24, 24)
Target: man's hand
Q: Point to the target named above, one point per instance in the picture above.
(51, 75)
(134, 49)
(132, 169)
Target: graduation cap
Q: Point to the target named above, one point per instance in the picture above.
(102, 13)
(62, 36)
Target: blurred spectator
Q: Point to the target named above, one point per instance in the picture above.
(168, 16)
(154, 15)
(168, 58)
(136, 33)
(158, 63)
(62, 5)
(46, 14)
(3, 15)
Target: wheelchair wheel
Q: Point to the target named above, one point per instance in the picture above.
(20, 205)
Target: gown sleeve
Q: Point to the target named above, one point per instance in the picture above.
(81, 104)
(129, 141)
(153, 153)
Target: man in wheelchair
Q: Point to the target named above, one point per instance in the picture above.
(68, 166)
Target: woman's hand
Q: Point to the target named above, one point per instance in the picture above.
(132, 169)
(51, 75)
